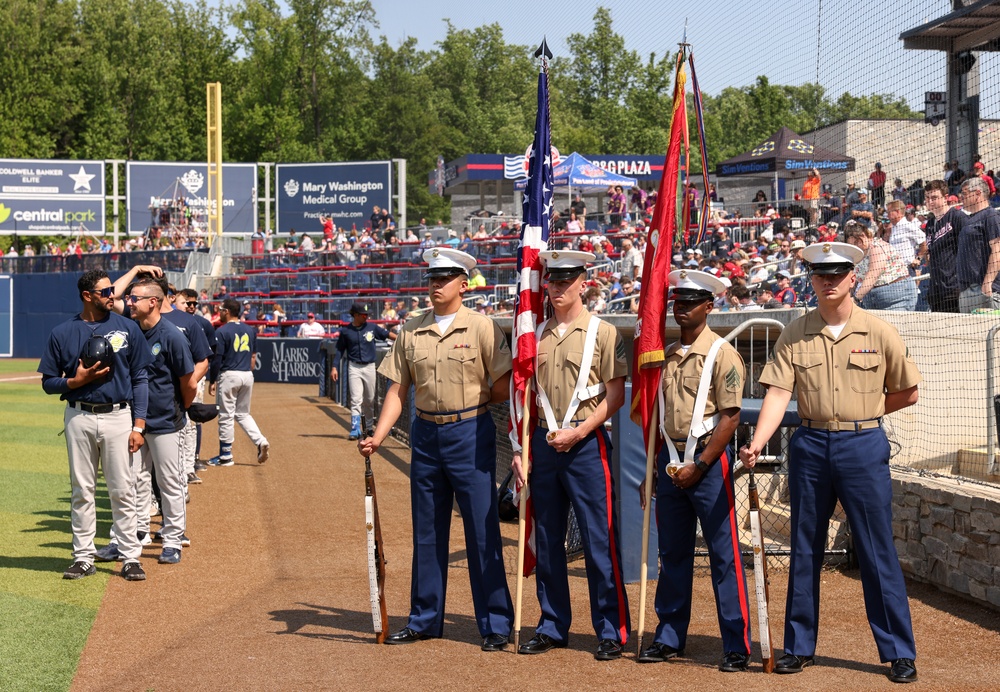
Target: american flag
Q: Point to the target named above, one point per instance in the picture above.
(528, 305)
(536, 209)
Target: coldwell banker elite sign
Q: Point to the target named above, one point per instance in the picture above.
(154, 184)
(51, 196)
(346, 191)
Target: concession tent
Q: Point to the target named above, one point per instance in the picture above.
(784, 154)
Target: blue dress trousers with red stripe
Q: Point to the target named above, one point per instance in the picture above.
(711, 502)
(456, 462)
(582, 478)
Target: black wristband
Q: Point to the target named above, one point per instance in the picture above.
(701, 465)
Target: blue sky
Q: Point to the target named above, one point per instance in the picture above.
(859, 48)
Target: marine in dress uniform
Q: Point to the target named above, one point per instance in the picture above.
(571, 461)
(357, 342)
(850, 369)
(100, 427)
(695, 476)
(458, 362)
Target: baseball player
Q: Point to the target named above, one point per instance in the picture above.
(357, 341)
(100, 427)
(187, 300)
(172, 386)
(702, 394)
(237, 346)
(458, 362)
(580, 383)
(850, 369)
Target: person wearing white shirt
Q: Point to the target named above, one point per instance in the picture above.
(311, 328)
(906, 236)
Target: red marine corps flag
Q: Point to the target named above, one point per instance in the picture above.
(669, 215)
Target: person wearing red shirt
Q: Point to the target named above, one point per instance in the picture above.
(876, 183)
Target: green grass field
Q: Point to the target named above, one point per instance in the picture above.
(46, 619)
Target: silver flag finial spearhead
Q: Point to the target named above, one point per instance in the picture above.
(543, 50)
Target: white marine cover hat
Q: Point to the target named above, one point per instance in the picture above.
(565, 264)
(444, 261)
(832, 258)
(691, 283)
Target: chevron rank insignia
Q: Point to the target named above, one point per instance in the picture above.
(733, 379)
(620, 350)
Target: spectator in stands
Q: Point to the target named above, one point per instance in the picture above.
(978, 259)
(617, 205)
(375, 220)
(388, 311)
(594, 300)
(452, 240)
(876, 183)
(481, 233)
(411, 236)
(783, 291)
(862, 212)
(979, 169)
(740, 298)
(638, 201)
(277, 318)
(906, 236)
(943, 229)
(810, 195)
(579, 207)
(427, 243)
(584, 244)
(630, 259)
(955, 178)
(306, 244)
(758, 272)
(574, 225)
(629, 291)
(723, 244)
(899, 191)
(476, 279)
(760, 198)
(311, 328)
(765, 298)
(222, 293)
(884, 281)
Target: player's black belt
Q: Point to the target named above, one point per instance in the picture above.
(454, 417)
(842, 425)
(97, 408)
(359, 362)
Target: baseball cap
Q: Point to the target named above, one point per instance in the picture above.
(311, 314)
(356, 309)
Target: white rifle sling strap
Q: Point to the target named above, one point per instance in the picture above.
(582, 392)
(703, 425)
(372, 565)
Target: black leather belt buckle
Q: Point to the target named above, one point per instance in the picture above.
(102, 408)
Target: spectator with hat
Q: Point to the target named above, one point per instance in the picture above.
(978, 168)
(783, 291)
(311, 328)
(862, 211)
(357, 344)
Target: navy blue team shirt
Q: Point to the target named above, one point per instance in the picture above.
(942, 246)
(129, 381)
(171, 359)
(359, 342)
(237, 343)
(192, 331)
(974, 238)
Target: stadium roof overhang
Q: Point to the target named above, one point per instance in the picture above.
(975, 27)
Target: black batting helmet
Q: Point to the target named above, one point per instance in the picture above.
(98, 350)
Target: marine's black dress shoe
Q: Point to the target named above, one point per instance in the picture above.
(903, 670)
(608, 650)
(405, 636)
(790, 663)
(734, 662)
(539, 644)
(494, 642)
(658, 653)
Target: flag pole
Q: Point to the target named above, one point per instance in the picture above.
(522, 517)
(648, 485)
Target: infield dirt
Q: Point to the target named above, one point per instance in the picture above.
(273, 595)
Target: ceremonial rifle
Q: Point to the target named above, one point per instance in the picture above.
(376, 556)
(760, 577)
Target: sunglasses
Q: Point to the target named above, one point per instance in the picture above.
(106, 292)
(135, 299)
(191, 303)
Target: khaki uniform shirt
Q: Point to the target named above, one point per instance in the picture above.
(842, 379)
(682, 375)
(450, 372)
(559, 362)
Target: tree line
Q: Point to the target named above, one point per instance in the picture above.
(307, 80)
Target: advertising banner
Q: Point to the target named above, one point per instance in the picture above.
(152, 185)
(346, 191)
(40, 216)
(48, 178)
(299, 361)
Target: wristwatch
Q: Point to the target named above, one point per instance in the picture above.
(141, 431)
(701, 466)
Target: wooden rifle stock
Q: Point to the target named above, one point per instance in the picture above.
(760, 577)
(376, 555)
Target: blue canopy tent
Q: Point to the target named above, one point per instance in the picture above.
(577, 173)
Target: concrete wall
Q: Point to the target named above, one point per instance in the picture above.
(949, 535)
